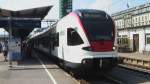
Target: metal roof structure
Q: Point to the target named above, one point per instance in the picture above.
(27, 14)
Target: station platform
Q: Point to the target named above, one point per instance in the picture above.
(136, 55)
(135, 59)
(31, 71)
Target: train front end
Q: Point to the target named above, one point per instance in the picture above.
(99, 52)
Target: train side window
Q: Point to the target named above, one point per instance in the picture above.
(52, 38)
(56, 39)
(73, 38)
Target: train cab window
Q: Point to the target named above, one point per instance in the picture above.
(73, 38)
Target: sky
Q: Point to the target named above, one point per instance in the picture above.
(110, 6)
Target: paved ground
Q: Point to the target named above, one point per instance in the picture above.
(31, 71)
(43, 71)
(1, 57)
(136, 55)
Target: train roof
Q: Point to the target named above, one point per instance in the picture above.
(39, 33)
(80, 12)
(89, 11)
(92, 14)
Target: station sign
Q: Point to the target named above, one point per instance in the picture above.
(20, 22)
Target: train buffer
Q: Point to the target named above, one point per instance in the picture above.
(138, 60)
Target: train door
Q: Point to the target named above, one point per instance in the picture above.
(73, 45)
(61, 44)
(135, 42)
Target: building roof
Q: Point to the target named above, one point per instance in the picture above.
(39, 12)
(131, 9)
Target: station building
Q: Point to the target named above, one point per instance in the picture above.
(134, 24)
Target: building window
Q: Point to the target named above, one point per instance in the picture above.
(148, 8)
(146, 20)
(147, 38)
(124, 35)
(136, 24)
(146, 17)
(142, 18)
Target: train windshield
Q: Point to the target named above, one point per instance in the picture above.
(99, 29)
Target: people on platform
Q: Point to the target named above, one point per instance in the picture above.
(5, 49)
(0, 47)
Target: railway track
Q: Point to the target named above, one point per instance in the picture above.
(132, 72)
(91, 78)
(130, 75)
(135, 68)
(99, 80)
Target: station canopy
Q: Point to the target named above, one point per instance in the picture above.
(22, 22)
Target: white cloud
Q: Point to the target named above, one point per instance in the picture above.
(95, 4)
(54, 12)
(25, 4)
(102, 5)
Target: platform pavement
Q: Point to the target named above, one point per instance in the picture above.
(1, 57)
(135, 55)
(20, 75)
(32, 72)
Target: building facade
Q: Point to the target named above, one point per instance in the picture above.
(134, 24)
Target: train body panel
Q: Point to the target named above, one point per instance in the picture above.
(84, 37)
(64, 51)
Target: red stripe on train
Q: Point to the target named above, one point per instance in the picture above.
(102, 46)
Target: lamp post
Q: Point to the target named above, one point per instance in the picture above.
(10, 38)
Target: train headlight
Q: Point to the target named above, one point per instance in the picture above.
(115, 47)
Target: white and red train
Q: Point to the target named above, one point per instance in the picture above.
(82, 39)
